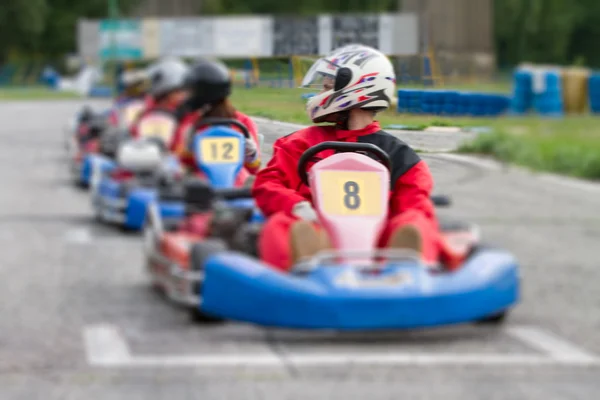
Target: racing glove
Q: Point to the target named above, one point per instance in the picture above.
(251, 159)
(304, 210)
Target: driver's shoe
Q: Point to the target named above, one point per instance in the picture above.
(306, 240)
(407, 237)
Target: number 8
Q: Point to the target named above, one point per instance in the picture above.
(351, 198)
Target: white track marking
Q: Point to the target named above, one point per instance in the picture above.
(333, 360)
(493, 165)
(556, 348)
(106, 347)
(78, 236)
(476, 161)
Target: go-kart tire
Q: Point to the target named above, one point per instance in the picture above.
(199, 253)
(494, 319)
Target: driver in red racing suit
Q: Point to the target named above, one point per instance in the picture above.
(209, 86)
(167, 92)
(357, 82)
(135, 90)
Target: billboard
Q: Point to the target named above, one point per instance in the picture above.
(120, 39)
(247, 36)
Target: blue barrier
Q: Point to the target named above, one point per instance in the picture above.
(549, 101)
(522, 99)
(452, 103)
(594, 92)
(101, 91)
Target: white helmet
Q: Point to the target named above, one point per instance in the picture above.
(166, 76)
(134, 77)
(364, 78)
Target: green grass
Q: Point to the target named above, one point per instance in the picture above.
(33, 93)
(569, 146)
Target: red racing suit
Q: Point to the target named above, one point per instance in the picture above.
(278, 188)
(122, 102)
(186, 124)
(150, 108)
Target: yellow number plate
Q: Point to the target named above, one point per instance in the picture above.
(351, 193)
(132, 112)
(161, 128)
(220, 150)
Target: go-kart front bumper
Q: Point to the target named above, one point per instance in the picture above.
(125, 205)
(240, 288)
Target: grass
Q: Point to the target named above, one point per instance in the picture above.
(569, 146)
(33, 93)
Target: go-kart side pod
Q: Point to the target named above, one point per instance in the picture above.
(408, 295)
(140, 199)
(94, 164)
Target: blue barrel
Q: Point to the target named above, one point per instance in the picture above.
(549, 101)
(522, 99)
(594, 92)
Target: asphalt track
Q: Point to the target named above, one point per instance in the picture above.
(78, 320)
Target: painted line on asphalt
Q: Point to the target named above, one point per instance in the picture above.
(106, 347)
(553, 346)
(493, 165)
(78, 236)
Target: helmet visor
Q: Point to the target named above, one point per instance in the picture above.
(321, 75)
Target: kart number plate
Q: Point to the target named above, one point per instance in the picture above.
(220, 150)
(353, 279)
(347, 193)
(132, 111)
(161, 128)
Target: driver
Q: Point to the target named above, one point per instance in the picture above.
(133, 100)
(135, 86)
(357, 82)
(166, 89)
(209, 85)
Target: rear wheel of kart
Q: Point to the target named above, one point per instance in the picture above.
(494, 319)
(199, 253)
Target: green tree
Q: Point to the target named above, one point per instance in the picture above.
(60, 33)
(538, 31)
(21, 22)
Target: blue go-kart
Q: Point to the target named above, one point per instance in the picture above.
(355, 286)
(147, 173)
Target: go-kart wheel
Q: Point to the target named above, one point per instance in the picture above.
(494, 319)
(199, 253)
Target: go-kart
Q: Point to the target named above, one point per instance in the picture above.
(128, 112)
(87, 141)
(158, 124)
(145, 171)
(210, 264)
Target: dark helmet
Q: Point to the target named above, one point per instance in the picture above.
(208, 82)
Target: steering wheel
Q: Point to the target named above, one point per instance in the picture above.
(341, 147)
(209, 121)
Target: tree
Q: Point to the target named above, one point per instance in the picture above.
(21, 22)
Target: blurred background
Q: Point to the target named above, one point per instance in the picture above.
(466, 63)
(433, 42)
